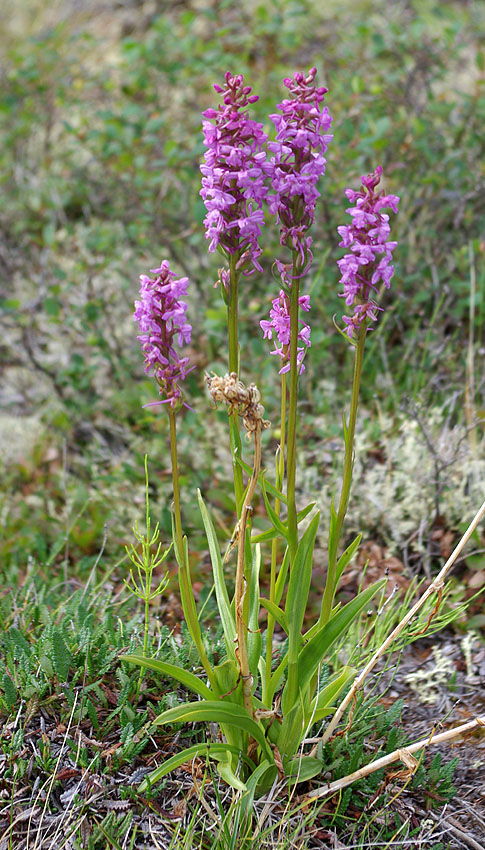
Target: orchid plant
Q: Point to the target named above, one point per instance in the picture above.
(265, 708)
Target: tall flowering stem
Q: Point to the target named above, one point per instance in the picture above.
(280, 474)
(185, 580)
(279, 327)
(368, 264)
(161, 317)
(330, 585)
(297, 163)
(292, 407)
(244, 402)
(233, 357)
(233, 190)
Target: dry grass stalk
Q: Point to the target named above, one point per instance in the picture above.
(404, 754)
(436, 586)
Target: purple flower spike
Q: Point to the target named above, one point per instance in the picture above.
(233, 177)
(161, 316)
(366, 237)
(298, 161)
(280, 327)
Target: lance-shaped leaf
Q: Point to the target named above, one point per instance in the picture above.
(313, 653)
(270, 487)
(224, 767)
(186, 593)
(302, 768)
(226, 615)
(188, 754)
(216, 711)
(255, 780)
(271, 533)
(275, 612)
(281, 580)
(295, 607)
(346, 557)
(279, 526)
(323, 703)
(332, 536)
(178, 673)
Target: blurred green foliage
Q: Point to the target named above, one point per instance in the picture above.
(99, 161)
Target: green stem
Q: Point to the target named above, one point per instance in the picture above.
(330, 587)
(280, 472)
(241, 585)
(292, 411)
(175, 479)
(147, 584)
(233, 344)
(188, 602)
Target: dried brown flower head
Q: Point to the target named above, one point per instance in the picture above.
(245, 401)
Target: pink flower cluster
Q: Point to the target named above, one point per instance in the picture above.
(161, 317)
(298, 161)
(280, 327)
(367, 238)
(233, 187)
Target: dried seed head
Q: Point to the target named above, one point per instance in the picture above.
(245, 401)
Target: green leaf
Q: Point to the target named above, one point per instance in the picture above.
(346, 430)
(323, 702)
(271, 533)
(295, 607)
(279, 526)
(346, 557)
(281, 580)
(216, 712)
(299, 585)
(188, 755)
(227, 677)
(303, 768)
(61, 656)
(270, 487)
(224, 767)
(186, 592)
(276, 677)
(227, 618)
(190, 680)
(252, 784)
(275, 612)
(304, 512)
(9, 690)
(313, 653)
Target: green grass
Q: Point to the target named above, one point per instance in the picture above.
(75, 726)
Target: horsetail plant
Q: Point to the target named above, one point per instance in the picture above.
(264, 708)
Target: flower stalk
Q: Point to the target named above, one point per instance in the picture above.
(233, 346)
(330, 585)
(292, 408)
(279, 476)
(241, 583)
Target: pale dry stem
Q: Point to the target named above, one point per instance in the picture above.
(404, 754)
(435, 586)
